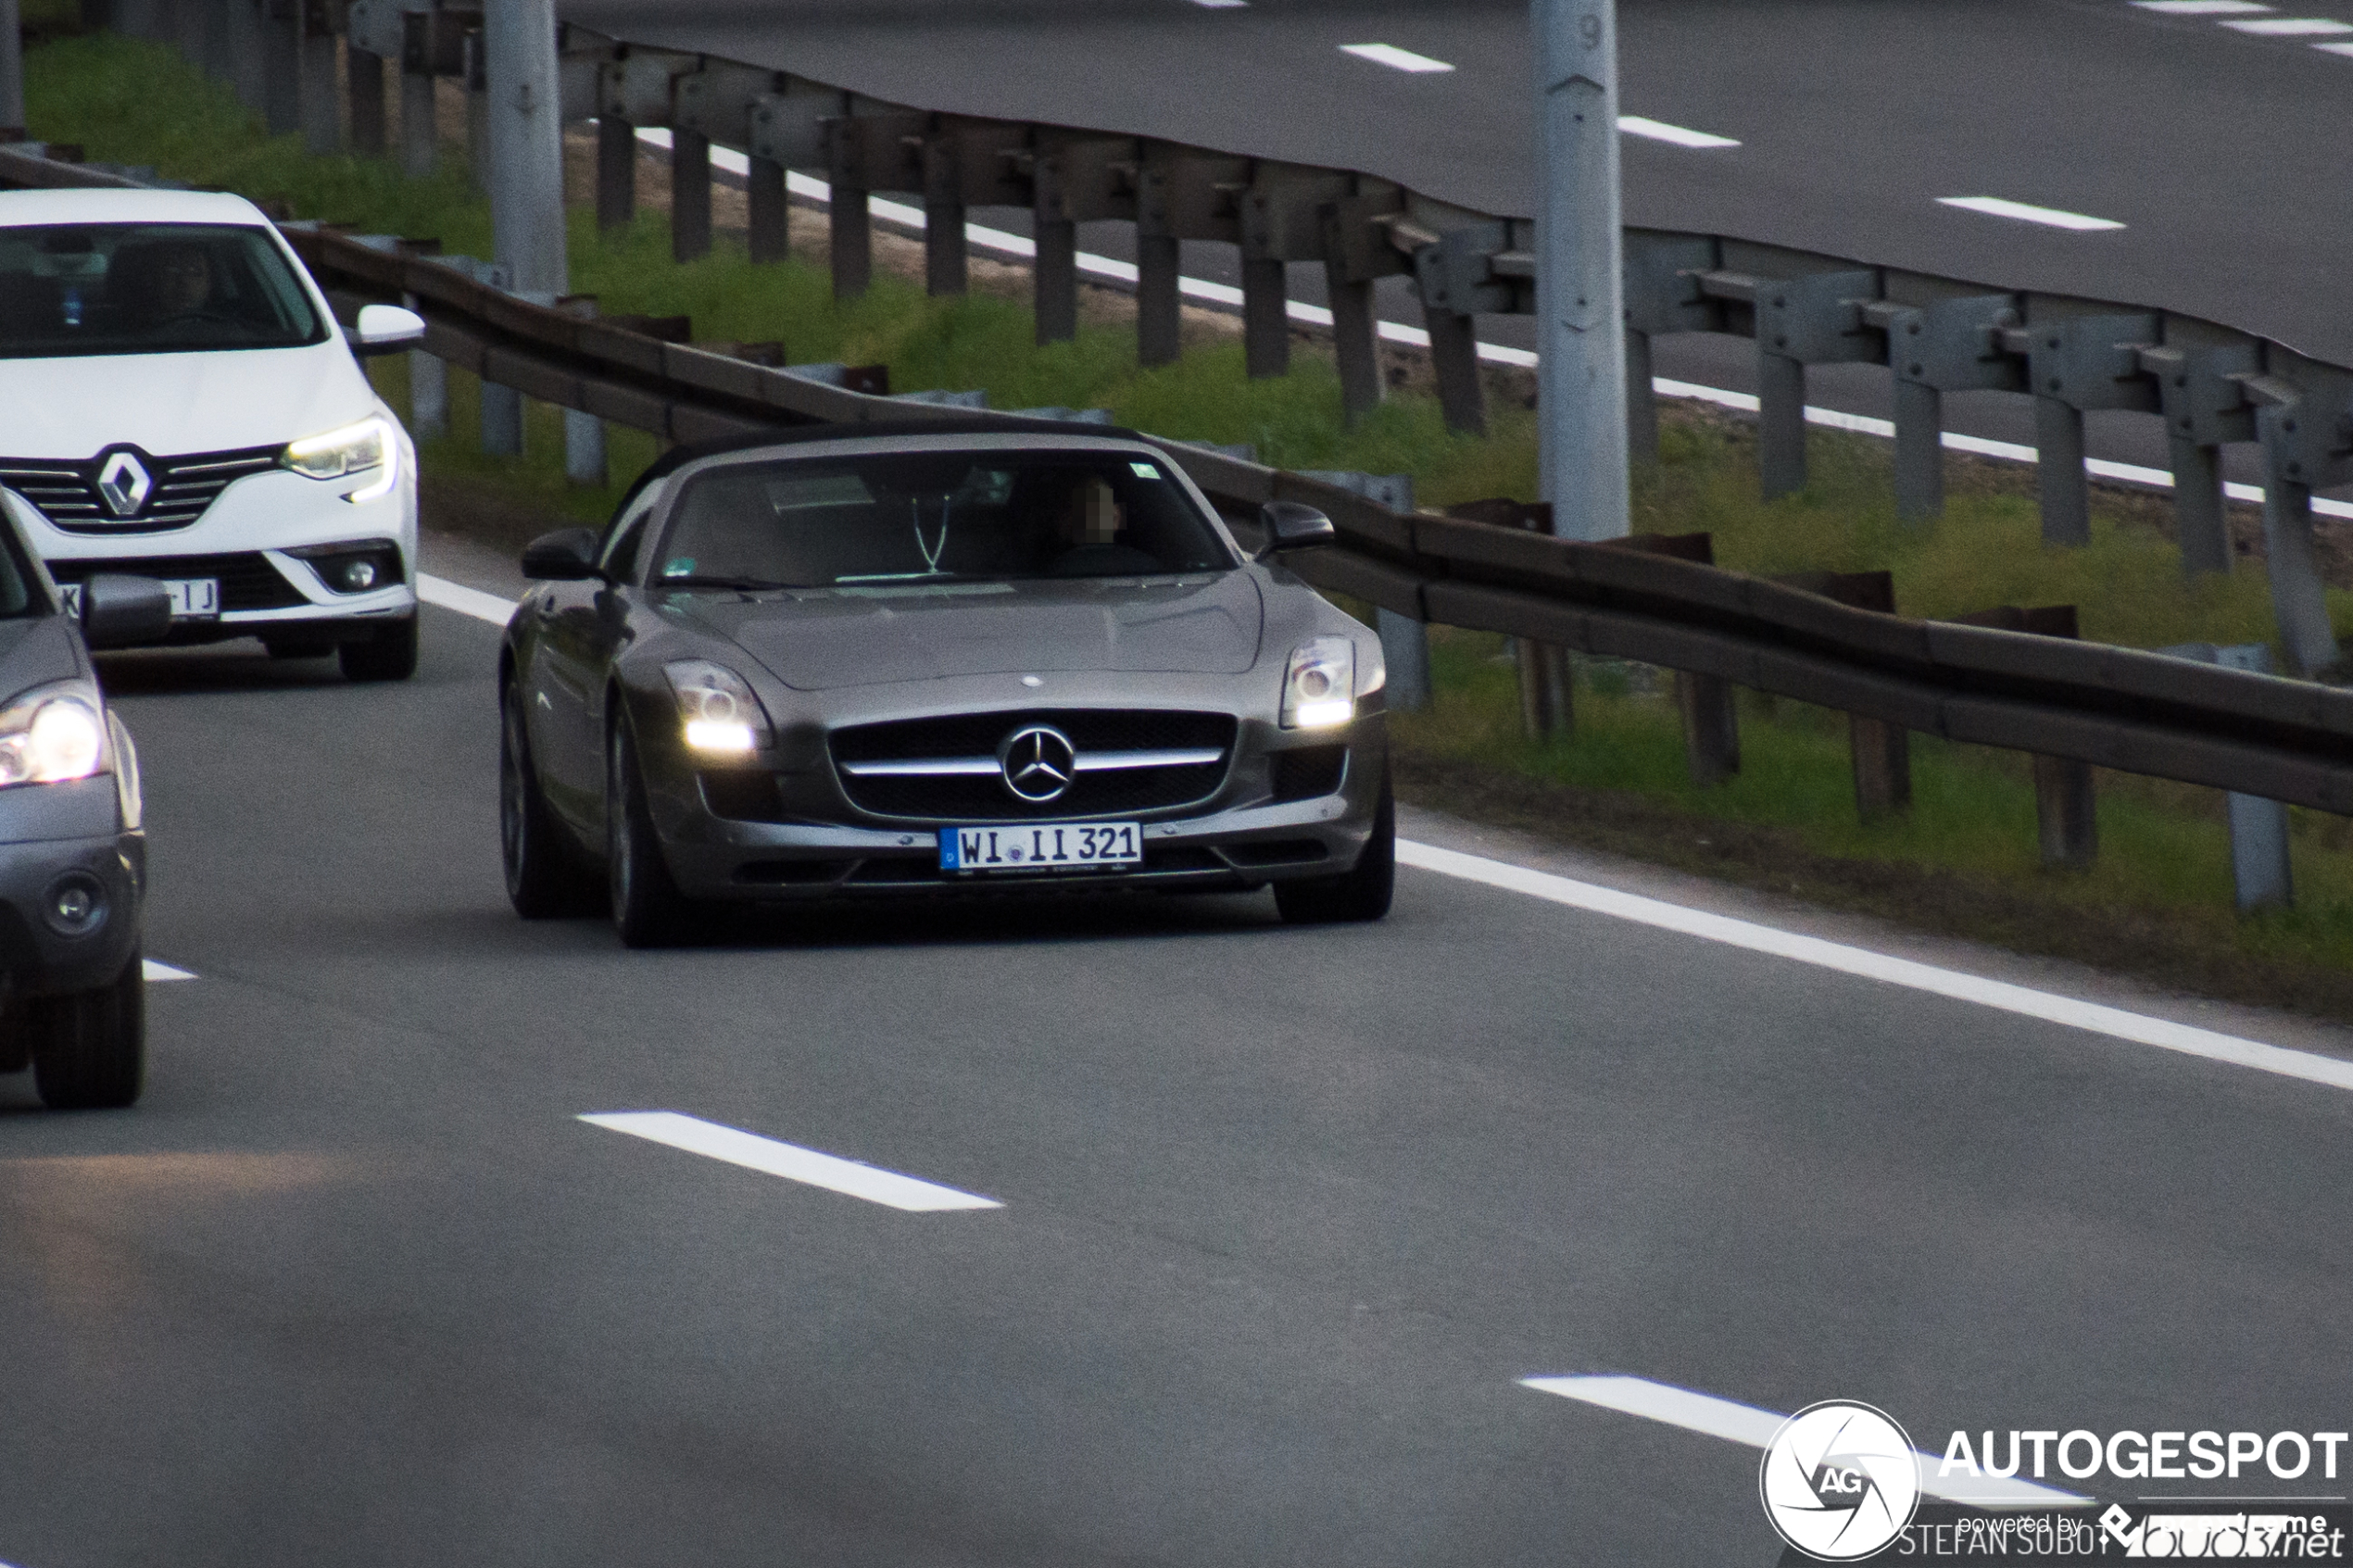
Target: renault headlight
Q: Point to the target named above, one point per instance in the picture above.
(716, 706)
(52, 734)
(1319, 686)
(355, 448)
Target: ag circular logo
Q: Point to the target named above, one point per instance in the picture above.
(1839, 1480)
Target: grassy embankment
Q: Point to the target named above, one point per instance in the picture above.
(1964, 859)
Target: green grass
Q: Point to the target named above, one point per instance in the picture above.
(2164, 848)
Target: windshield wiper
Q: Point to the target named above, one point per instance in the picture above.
(746, 585)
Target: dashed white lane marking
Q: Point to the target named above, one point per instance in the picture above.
(2201, 7)
(2025, 212)
(1221, 5)
(152, 972)
(1747, 1425)
(1390, 55)
(464, 600)
(1659, 131)
(2092, 1017)
(789, 1160)
(2335, 48)
(2290, 26)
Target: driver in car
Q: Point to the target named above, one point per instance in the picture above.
(1089, 529)
(174, 282)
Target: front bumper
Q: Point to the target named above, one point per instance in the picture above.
(50, 834)
(1239, 838)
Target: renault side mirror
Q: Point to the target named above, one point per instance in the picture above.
(568, 554)
(124, 613)
(385, 328)
(1293, 525)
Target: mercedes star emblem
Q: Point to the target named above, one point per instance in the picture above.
(1040, 762)
(123, 483)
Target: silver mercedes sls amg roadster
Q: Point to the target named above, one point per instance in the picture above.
(871, 661)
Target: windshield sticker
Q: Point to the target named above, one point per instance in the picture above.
(800, 493)
(1143, 471)
(679, 566)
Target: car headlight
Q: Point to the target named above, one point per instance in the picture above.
(1320, 685)
(52, 734)
(716, 706)
(355, 448)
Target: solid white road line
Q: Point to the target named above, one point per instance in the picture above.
(152, 972)
(2201, 7)
(2290, 26)
(1390, 55)
(2090, 1017)
(1659, 131)
(789, 1160)
(2335, 48)
(464, 600)
(2050, 216)
(1747, 1425)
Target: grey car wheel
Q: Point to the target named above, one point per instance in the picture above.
(647, 908)
(90, 1047)
(1362, 892)
(547, 876)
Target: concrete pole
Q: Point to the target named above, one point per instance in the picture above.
(1579, 275)
(526, 132)
(420, 127)
(317, 96)
(11, 73)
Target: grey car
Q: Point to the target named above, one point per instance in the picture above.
(72, 835)
(872, 662)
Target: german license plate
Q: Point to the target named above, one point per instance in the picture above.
(1041, 847)
(192, 597)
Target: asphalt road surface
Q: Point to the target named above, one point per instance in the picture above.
(2219, 151)
(1285, 1213)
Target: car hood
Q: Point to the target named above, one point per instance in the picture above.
(168, 404)
(819, 639)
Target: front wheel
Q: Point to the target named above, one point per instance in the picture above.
(390, 654)
(647, 908)
(90, 1047)
(1361, 893)
(545, 877)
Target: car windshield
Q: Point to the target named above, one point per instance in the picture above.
(900, 518)
(83, 289)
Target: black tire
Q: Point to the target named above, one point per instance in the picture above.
(548, 876)
(296, 647)
(1361, 893)
(647, 908)
(90, 1047)
(390, 654)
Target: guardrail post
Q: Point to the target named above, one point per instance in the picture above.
(2066, 812)
(1457, 278)
(1055, 280)
(1663, 295)
(768, 227)
(428, 391)
(2074, 363)
(1159, 313)
(282, 66)
(420, 132)
(1781, 425)
(1711, 726)
(1641, 402)
(946, 269)
(1882, 758)
(1266, 317)
(2303, 446)
(2060, 483)
(11, 73)
(1920, 452)
(1404, 641)
(616, 172)
(1454, 358)
(1547, 692)
(364, 90)
(689, 194)
(1814, 319)
(2202, 520)
(321, 112)
(2202, 391)
(477, 114)
(2262, 874)
(852, 243)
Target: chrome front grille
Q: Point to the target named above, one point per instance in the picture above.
(948, 768)
(181, 488)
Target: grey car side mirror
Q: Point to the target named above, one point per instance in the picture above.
(1293, 525)
(566, 555)
(385, 328)
(123, 612)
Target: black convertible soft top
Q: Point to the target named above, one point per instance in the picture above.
(669, 462)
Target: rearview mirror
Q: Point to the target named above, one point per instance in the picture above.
(123, 612)
(566, 555)
(1293, 525)
(385, 329)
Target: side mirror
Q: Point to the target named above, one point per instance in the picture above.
(385, 329)
(1293, 525)
(568, 554)
(123, 612)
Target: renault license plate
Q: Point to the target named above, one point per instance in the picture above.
(193, 598)
(1041, 847)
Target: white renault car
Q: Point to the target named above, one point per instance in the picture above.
(177, 402)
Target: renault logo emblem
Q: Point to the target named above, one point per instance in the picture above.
(1038, 762)
(123, 484)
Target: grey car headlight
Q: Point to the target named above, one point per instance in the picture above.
(353, 449)
(52, 734)
(720, 714)
(1320, 685)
